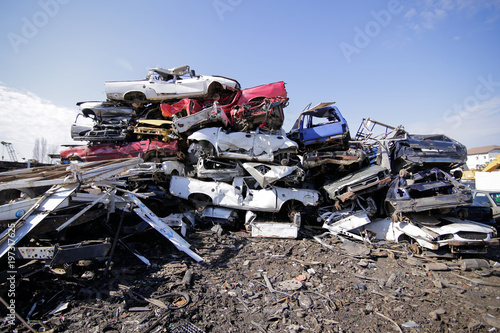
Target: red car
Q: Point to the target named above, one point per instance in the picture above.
(146, 149)
(260, 106)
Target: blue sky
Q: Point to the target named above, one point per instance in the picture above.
(431, 66)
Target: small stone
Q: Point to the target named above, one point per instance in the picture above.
(390, 281)
(440, 311)
(360, 286)
(491, 320)
(410, 324)
(474, 325)
(438, 284)
(363, 263)
(433, 315)
(305, 301)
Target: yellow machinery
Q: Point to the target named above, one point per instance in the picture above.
(493, 165)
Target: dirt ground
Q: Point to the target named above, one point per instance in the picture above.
(250, 284)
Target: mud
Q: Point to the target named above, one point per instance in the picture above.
(250, 284)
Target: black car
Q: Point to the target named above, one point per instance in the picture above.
(431, 189)
(415, 152)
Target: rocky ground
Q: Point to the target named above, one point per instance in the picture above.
(250, 284)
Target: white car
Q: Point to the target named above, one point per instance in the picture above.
(461, 236)
(249, 146)
(245, 194)
(175, 83)
(433, 233)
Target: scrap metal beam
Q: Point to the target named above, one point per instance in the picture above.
(47, 203)
(147, 215)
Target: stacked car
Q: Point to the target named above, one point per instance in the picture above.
(238, 161)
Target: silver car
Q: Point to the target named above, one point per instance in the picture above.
(249, 146)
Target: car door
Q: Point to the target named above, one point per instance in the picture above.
(319, 129)
(191, 86)
(162, 85)
(256, 198)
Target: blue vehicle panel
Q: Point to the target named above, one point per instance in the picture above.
(322, 125)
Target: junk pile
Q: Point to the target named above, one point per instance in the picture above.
(180, 150)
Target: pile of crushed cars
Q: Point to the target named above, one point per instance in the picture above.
(180, 149)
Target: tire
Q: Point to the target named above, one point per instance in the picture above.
(291, 208)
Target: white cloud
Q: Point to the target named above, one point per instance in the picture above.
(26, 117)
(410, 13)
(426, 15)
(473, 126)
(125, 64)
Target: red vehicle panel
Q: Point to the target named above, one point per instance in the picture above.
(111, 151)
(271, 90)
(189, 106)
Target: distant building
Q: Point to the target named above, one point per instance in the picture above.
(478, 158)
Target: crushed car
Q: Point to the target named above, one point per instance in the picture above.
(212, 115)
(271, 146)
(245, 194)
(218, 169)
(366, 180)
(319, 127)
(414, 152)
(432, 233)
(106, 131)
(437, 233)
(146, 149)
(153, 128)
(266, 113)
(175, 83)
(431, 189)
(105, 111)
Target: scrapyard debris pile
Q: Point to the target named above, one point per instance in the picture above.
(181, 149)
(222, 152)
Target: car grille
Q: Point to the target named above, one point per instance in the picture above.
(472, 235)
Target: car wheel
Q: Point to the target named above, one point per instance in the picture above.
(291, 208)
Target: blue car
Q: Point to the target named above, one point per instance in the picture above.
(321, 126)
